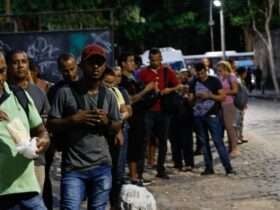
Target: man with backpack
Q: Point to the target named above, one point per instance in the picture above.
(86, 113)
(19, 188)
(137, 92)
(157, 117)
(208, 94)
(68, 68)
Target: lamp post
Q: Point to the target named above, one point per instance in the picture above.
(211, 24)
(219, 4)
(8, 9)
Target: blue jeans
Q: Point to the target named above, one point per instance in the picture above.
(26, 201)
(213, 124)
(93, 184)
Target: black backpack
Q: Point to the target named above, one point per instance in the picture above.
(59, 138)
(22, 98)
(109, 134)
(169, 103)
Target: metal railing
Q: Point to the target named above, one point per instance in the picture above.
(54, 20)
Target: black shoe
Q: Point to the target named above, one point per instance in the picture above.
(137, 182)
(197, 152)
(178, 168)
(146, 182)
(207, 172)
(162, 176)
(187, 169)
(231, 173)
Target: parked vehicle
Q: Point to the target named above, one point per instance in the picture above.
(170, 56)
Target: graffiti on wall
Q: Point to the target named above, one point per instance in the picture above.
(45, 48)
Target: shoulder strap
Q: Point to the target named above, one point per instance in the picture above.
(101, 97)
(54, 89)
(21, 97)
(78, 97)
(80, 100)
(165, 76)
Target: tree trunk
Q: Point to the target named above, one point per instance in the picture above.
(271, 59)
(248, 39)
(271, 62)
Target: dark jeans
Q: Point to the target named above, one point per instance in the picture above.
(181, 137)
(93, 184)
(213, 124)
(118, 154)
(22, 201)
(136, 141)
(157, 124)
(47, 190)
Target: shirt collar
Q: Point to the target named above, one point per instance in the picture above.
(5, 94)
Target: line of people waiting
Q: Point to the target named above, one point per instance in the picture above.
(103, 119)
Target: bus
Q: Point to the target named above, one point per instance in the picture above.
(244, 59)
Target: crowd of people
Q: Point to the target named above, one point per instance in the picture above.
(105, 120)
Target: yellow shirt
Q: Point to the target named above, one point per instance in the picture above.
(119, 96)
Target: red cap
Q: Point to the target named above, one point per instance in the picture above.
(93, 49)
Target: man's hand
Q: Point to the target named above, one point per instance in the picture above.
(150, 86)
(89, 117)
(102, 117)
(204, 95)
(3, 116)
(165, 91)
(42, 145)
(119, 139)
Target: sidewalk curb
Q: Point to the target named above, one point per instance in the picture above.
(265, 97)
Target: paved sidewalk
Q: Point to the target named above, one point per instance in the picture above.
(267, 95)
(255, 187)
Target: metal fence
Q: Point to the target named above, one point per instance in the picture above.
(53, 21)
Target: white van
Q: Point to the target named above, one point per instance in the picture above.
(170, 56)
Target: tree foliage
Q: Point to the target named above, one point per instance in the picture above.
(138, 23)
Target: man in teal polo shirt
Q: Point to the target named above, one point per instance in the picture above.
(19, 188)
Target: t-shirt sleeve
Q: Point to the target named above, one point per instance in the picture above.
(59, 98)
(233, 78)
(140, 76)
(113, 110)
(34, 118)
(218, 85)
(46, 105)
(172, 79)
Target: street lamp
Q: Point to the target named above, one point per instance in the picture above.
(219, 4)
(211, 24)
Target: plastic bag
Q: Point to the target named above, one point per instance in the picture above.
(136, 198)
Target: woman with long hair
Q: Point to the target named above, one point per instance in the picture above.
(230, 86)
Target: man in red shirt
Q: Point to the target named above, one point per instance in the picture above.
(156, 119)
